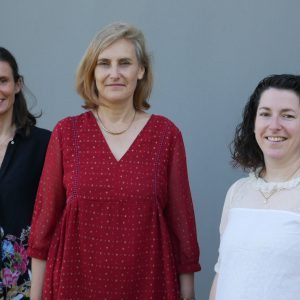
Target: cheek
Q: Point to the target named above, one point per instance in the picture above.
(295, 132)
(9, 91)
(257, 132)
(99, 74)
(256, 127)
(98, 79)
(260, 125)
(257, 138)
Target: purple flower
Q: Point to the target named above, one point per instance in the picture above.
(10, 278)
(11, 237)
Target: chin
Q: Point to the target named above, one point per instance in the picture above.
(275, 156)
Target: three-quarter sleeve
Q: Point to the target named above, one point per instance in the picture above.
(179, 211)
(50, 200)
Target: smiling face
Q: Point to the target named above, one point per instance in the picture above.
(8, 89)
(117, 72)
(277, 125)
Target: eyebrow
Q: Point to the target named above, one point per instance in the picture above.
(120, 59)
(282, 110)
(102, 59)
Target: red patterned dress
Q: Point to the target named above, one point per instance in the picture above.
(114, 229)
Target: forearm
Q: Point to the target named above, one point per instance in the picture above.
(212, 295)
(186, 281)
(38, 272)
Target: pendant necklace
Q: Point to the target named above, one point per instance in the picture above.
(268, 194)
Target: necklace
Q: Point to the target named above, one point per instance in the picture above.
(268, 193)
(114, 132)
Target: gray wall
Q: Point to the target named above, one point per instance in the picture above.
(208, 56)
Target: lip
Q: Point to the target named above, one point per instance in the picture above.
(115, 84)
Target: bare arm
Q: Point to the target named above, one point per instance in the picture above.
(186, 281)
(212, 295)
(38, 272)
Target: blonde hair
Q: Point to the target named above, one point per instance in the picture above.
(85, 81)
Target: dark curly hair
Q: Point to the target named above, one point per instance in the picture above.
(22, 118)
(245, 151)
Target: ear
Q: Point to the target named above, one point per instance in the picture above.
(18, 86)
(141, 72)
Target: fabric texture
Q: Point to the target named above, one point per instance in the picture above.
(114, 229)
(259, 254)
(19, 177)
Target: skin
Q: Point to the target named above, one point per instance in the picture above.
(277, 131)
(212, 295)
(117, 73)
(186, 281)
(8, 89)
(38, 272)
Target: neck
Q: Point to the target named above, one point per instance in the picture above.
(116, 113)
(7, 128)
(281, 172)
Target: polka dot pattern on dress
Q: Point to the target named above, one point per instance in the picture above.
(114, 229)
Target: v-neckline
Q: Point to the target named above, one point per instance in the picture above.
(7, 156)
(131, 146)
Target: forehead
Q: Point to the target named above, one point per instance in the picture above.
(274, 97)
(119, 49)
(5, 69)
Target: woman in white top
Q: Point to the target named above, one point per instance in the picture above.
(259, 254)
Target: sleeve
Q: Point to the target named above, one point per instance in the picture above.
(180, 213)
(224, 218)
(50, 199)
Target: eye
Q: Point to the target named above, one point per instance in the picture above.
(264, 114)
(124, 62)
(3, 80)
(102, 63)
(288, 116)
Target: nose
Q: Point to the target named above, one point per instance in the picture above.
(114, 72)
(275, 123)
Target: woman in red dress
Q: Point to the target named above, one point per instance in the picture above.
(114, 216)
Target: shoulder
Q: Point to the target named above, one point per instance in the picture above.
(38, 136)
(238, 186)
(40, 133)
(240, 183)
(67, 123)
(163, 123)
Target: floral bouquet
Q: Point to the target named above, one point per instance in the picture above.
(15, 275)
